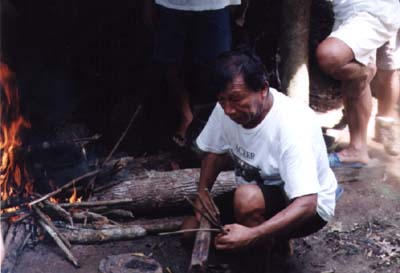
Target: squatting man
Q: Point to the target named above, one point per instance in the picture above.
(286, 187)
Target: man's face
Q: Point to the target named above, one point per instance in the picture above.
(242, 105)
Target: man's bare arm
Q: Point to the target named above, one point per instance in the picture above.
(211, 165)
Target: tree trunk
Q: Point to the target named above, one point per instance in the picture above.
(294, 48)
(161, 192)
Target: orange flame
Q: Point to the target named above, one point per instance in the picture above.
(13, 174)
(73, 198)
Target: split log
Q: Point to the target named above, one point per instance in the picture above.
(86, 236)
(295, 27)
(201, 248)
(14, 244)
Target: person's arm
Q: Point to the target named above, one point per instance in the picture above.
(211, 165)
(238, 236)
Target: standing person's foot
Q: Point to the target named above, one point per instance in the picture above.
(180, 135)
(387, 132)
(350, 157)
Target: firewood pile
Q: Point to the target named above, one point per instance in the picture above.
(123, 190)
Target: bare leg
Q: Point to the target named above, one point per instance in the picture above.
(177, 86)
(337, 60)
(249, 205)
(386, 87)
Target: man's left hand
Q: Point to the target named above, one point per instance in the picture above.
(237, 236)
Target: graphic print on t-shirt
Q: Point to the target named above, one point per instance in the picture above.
(243, 169)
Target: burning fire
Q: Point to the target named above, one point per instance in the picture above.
(14, 178)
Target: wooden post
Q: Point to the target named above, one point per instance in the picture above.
(295, 27)
(201, 248)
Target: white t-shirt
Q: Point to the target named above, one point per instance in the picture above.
(197, 5)
(388, 11)
(287, 143)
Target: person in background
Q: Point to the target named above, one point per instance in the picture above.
(198, 29)
(349, 55)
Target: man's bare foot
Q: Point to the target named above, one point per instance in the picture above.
(352, 155)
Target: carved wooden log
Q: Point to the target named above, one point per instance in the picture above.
(294, 48)
(14, 243)
(160, 192)
(200, 249)
(86, 236)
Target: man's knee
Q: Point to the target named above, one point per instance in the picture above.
(332, 54)
(249, 204)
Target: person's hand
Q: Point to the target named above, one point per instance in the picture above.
(237, 236)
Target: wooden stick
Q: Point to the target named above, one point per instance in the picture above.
(123, 135)
(215, 207)
(60, 243)
(190, 230)
(66, 186)
(208, 209)
(203, 214)
(51, 225)
(90, 204)
(92, 215)
(60, 211)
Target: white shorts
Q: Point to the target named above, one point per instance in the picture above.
(364, 34)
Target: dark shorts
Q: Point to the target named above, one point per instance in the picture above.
(206, 34)
(275, 201)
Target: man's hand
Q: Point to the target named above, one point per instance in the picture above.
(237, 236)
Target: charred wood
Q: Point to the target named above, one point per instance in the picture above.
(50, 224)
(59, 242)
(14, 244)
(59, 211)
(66, 186)
(12, 201)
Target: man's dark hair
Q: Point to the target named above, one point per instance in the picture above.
(238, 62)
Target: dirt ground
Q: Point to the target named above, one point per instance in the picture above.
(364, 236)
